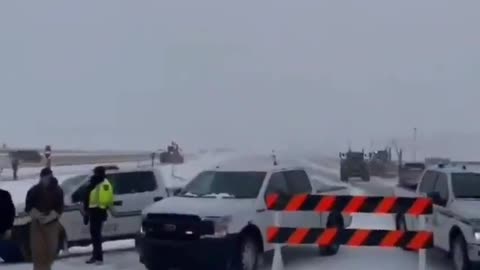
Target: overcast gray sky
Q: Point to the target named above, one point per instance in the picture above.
(137, 74)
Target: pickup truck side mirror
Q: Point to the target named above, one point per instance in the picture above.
(436, 199)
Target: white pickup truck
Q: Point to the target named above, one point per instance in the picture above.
(455, 191)
(220, 219)
(134, 188)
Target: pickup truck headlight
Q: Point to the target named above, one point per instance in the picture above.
(477, 236)
(221, 225)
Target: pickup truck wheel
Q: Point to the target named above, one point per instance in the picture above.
(247, 257)
(366, 178)
(334, 221)
(343, 177)
(459, 254)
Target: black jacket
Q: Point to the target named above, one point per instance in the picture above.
(7, 211)
(45, 199)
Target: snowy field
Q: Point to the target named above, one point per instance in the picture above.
(120, 254)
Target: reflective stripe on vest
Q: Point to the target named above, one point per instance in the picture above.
(101, 196)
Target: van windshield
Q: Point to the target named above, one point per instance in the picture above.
(214, 184)
(466, 185)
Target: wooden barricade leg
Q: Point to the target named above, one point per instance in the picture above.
(422, 253)
(277, 263)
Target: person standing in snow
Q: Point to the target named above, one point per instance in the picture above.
(7, 214)
(98, 199)
(15, 164)
(44, 204)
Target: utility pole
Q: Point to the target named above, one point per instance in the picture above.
(414, 144)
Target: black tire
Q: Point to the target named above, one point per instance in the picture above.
(459, 253)
(335, 220)
(343, 177)
(248, 246)
(366, 178)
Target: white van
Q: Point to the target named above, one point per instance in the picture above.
(134, 190)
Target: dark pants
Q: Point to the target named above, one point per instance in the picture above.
(97, 218)
(9, 251)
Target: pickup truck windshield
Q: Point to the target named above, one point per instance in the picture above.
(466, 185)
(214, 184)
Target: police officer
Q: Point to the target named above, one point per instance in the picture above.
(98, 199)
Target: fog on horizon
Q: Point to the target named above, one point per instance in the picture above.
(250, 75)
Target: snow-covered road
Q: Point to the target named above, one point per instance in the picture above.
(120, 254)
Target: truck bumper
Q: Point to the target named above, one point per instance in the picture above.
(474, 252)
(196, 254)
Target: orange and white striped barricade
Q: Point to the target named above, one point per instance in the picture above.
(413, 240)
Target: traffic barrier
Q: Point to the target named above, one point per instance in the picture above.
(413, 240)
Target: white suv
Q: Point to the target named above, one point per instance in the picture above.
(455, 191)
(220, 219)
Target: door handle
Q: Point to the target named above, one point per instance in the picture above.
(118, 203)
(261, 210)
(156, 199)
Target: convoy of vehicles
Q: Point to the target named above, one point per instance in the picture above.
(455, 192)
(134, 190)
(220, 220)
(353, 164)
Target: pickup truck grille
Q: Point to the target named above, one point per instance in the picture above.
(176, 227)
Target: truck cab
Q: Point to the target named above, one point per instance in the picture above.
(455, 222)
(134, 190)
(220, 219)
(353, 164)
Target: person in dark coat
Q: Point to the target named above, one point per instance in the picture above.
(7, 213)
(7, 217)
(44, 204)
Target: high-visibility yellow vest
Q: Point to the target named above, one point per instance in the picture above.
(101, 196)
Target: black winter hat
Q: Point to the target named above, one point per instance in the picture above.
(99, 171)
(46, 172)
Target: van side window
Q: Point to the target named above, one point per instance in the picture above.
(428, 182)
(298, 182)
(132, 182)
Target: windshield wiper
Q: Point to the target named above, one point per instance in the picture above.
(218, 195)
(469, 197)
(189, 194)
